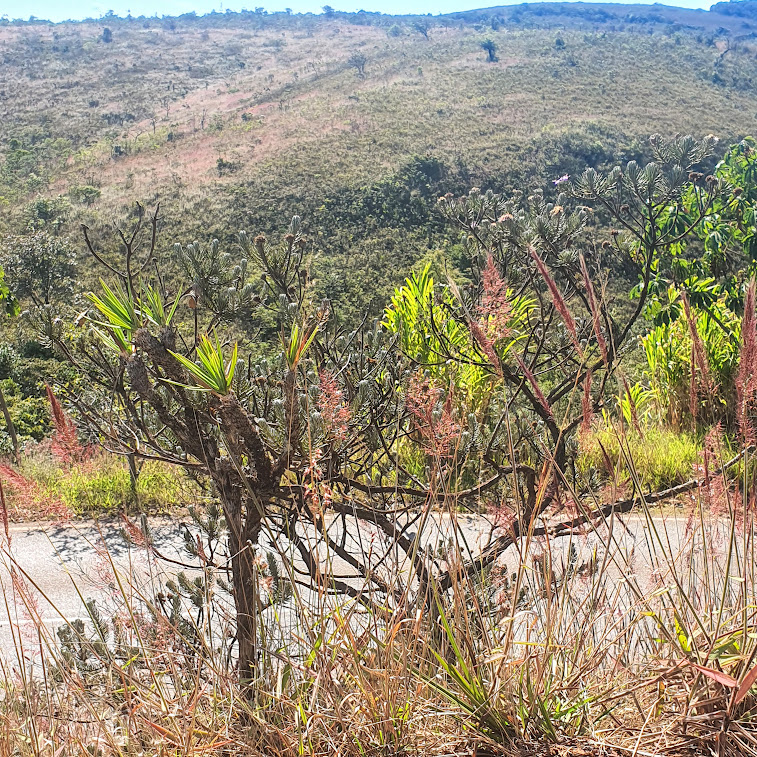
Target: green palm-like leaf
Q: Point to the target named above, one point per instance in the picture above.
(468, 690)
(121, 314)
(211, 374)
(115, 340)
(153, 308)
(120, 318)
(298, 343)
(117, 308)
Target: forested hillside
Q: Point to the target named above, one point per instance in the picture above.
(357, 123)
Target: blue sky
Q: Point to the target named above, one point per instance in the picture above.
(58, 10)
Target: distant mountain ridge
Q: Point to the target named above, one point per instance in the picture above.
(576, 10)
(732, 16)
(741, 8)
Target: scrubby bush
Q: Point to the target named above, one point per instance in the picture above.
(358, 61)
(85, 195)
(9, 360)
(490, 47)
(660, 457)
(103, 485)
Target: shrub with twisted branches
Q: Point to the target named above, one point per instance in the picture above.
(331, 430)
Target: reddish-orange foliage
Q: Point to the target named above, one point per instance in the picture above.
(593, 306)
(485, 345)
(700, 354)
(538, 393)
(29, 500)
(439, 430)
(501, 514)
(495, 312)
(746, 381)
(703, 384)
(65, 441)
(335, 414)
(713, 489)
(495, 308)
(133, 532)
(586, 405)
(318, 494)
(557, 299)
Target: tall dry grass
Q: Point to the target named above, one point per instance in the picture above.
(634, 632)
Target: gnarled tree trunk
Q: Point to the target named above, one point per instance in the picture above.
(244, 529)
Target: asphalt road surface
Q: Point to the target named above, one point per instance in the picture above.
(57, 566)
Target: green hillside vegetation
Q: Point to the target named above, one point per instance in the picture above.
(241, 120)
(323, 609)
(357, 123)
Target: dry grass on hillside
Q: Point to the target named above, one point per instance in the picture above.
(184, 94)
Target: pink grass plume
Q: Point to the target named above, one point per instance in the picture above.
(594, 307)
(746, 379)
(557, 299)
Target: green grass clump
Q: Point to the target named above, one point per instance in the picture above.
(99, 484)
(102, 485)
(661, 457)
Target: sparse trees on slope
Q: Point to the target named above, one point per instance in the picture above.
(358, 61)
(490, 46)
(422, 26)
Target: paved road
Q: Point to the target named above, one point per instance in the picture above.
(61, 564)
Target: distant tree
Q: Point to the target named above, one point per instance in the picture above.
(422, 27)
(86, 195)
(41, 266)
(491, 49)
(327, 10)
(8, 307)
(358, 61)
(107, 35)
(46, 213)
(225, 167)
(559, 43)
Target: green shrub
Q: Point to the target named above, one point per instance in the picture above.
(8, 361)
(30, 415)
(102, 489)
(102, 485)
(661, 457)
(85, 195)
